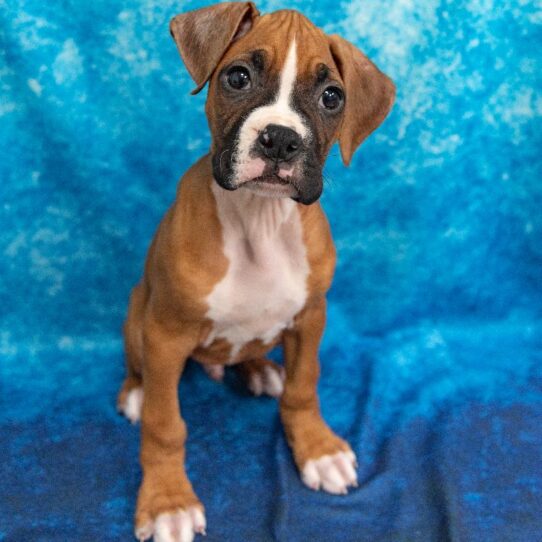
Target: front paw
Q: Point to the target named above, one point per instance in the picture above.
(333, 473)
(325, 460)
(168, 512)
(176, 526)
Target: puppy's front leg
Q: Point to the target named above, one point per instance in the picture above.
(325, 460)
(167, 507)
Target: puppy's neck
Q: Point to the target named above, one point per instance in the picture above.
(251, 215)
(258, 226)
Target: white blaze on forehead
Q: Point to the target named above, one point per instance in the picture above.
(287, 80)
(279, 112)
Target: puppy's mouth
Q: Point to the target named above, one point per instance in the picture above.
(272, 184)
(272, 178)
(299, 181)
(268, 178)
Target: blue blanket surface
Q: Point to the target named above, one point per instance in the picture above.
(432, 357)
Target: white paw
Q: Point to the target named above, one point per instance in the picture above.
(132, 405)
(216, 372)
(269, 381)
(333, 473)
(180, 526)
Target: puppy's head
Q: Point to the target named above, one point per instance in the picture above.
(281, 92)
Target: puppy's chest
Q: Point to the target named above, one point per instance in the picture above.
(265, 284)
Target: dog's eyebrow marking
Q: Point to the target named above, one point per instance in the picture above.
(258, 60)
(322, 73)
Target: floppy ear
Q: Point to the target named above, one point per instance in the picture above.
(203, 35)
(369, 95)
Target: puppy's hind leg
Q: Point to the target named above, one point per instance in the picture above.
(130, 397)
(215, 372)
(262, 376)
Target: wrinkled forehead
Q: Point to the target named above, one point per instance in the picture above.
(273, 35)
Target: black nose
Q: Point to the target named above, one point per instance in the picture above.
(279, 143)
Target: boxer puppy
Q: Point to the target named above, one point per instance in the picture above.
(244, 257)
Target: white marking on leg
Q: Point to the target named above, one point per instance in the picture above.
(164, 528)
(198, 519)
(216, 372)
(345, 464)
(184, 526)
(267, 381)
(333, 473)
(133, 404)
(255, 384)
(310, 475)
(279, 112)
(273, 381)
(179, 526)
(145, 532)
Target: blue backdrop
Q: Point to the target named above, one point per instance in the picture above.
(432, 358)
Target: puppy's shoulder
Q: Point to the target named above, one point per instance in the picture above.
(321, 253)
(186, 256)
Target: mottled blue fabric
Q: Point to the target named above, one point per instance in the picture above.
(431, 362)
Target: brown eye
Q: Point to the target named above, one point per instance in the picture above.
(238, 78)
(332, 98)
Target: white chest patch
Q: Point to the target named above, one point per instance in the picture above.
(265, 283)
